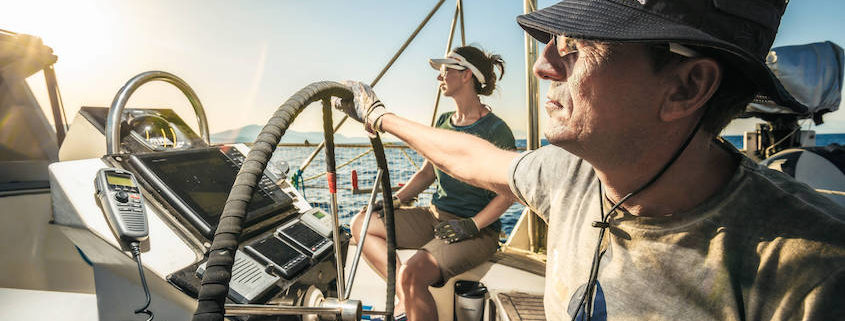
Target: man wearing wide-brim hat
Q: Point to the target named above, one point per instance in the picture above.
(651, 215)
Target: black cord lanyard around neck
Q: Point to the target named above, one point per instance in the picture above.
(602, 225)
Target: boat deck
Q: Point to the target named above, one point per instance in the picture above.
(23, 304)
(520, 306)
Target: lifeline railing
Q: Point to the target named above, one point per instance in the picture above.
(355, 170)
(403, 149)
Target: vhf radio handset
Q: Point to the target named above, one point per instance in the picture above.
(123, 206)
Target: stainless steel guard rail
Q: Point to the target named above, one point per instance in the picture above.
(122, 96)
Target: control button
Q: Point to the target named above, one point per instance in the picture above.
(135, 196)
(135, 205)
(137, 210)
(121, 197)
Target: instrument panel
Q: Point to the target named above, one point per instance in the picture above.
(278, 248)
(196, 184)
(148, 129)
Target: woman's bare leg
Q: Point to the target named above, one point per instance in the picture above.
(416, 276)
(374, 250)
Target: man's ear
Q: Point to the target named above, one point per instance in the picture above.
(692, 84)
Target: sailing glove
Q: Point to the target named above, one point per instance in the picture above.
(458, 230)
(365, 107)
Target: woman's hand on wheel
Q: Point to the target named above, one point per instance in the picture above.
(365, 106)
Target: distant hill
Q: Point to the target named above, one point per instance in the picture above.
(247, 134)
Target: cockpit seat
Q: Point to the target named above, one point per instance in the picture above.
(505, 273)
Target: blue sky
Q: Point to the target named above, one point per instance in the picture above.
(244, 58)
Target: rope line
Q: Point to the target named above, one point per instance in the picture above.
(409, 158)
(340, 166)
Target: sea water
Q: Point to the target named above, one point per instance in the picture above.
(821, 139)
(402, 162)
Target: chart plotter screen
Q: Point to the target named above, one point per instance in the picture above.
(202, 179)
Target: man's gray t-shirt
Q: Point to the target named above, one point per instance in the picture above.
(762, 248)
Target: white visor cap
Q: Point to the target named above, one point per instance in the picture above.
(456, 61)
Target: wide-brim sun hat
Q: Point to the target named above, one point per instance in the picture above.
(741, 32)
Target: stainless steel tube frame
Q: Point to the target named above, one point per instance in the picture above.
(122, 96)
(350, 310)
(532, 102)
(329, 309)
(260, 309)
(363, 235)
(338, 256)
(458, 14)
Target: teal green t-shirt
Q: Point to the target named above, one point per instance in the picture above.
(458, 197)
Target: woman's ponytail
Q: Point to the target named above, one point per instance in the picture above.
(485, 64)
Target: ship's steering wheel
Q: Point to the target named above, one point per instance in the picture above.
(215, 281)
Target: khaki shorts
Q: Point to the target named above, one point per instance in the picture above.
(415, 230)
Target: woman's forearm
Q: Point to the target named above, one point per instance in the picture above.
(493, 210)
(420, 181)
(465, 157)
